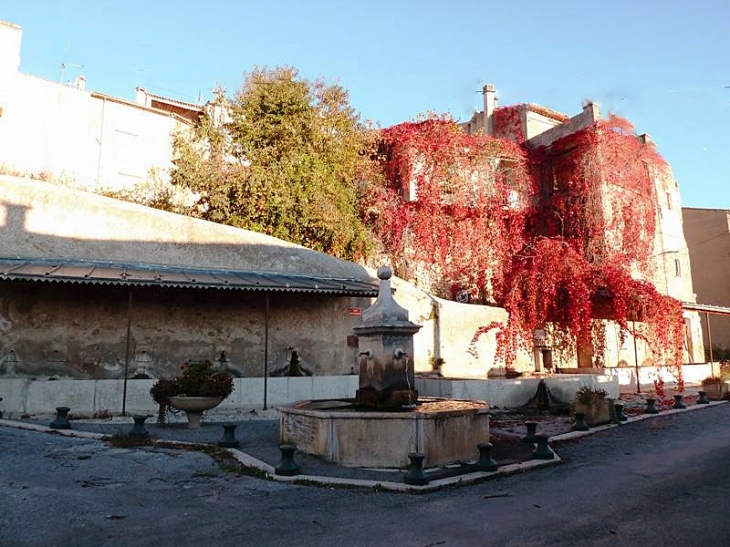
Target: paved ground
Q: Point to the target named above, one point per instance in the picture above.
(660, 481)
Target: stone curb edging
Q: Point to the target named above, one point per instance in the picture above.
(461, 480)
(470, 478)
(578, 434)
(252, 462)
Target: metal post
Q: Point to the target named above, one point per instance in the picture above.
(266, 350)
(126, 356)
(709, 334)
(636, 359)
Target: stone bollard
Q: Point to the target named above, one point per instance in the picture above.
(138, 429)
(620, 414)
(580, 422)
(61, 421)
(229, 437)
(287, 467)
(486, 462)
(678, 404)
(543, 450)
(651, 407)
(531, 432)
(415, 475)
(702, 401)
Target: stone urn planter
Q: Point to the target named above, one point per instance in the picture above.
(597, 412)
(716, 391)
(194, 407)
(595, 405)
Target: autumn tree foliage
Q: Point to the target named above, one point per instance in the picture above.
(282, 156)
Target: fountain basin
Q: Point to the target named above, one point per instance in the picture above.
(445, 430)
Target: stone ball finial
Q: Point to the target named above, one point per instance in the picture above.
(384, 272)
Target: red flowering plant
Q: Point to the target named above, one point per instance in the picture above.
(198, 379)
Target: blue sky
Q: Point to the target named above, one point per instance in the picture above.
(661, 63)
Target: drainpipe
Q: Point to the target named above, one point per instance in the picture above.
(636, 359)
(709, 335)
(126, 355)
(266, 350)
(101, 141)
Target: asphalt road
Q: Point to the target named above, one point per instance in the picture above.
(664, 481)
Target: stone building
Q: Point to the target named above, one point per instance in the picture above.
(539, 128)
(63, 132)
(707, 232)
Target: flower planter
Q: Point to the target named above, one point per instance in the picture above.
(194, 407)
(597, 412)
(716, 392)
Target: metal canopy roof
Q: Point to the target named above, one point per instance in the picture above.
(706, 308)
(147, 275)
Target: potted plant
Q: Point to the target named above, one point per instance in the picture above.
(594, 404)
(196, 390)
(715, 388)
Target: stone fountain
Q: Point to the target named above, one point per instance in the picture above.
(387, 420)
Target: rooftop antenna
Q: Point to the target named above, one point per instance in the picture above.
(63, 69)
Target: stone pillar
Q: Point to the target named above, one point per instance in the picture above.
(385, 342)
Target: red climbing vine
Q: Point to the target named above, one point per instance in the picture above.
(560, 237)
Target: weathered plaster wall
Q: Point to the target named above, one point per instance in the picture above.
(79, 331)
(535, 124)
(589, 115)
(42, 220)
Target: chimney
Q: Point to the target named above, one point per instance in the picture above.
(140, 96)
(591, 111)
(80, 82)
(490, 103)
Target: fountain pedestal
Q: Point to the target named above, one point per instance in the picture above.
(385, 341)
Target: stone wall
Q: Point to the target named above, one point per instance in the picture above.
(516, 392)
(79, 331)
(89, 397)
(708, 237)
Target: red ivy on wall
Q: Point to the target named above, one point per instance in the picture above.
(559, 237)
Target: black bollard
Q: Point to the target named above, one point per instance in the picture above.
(678, 402)
(651, 407)
(486, 462)
(703, 398)
(287, 466)
(61, 421)
(138, 429)
(543, 451)
(229, 437)
(580, 422)
(620, 415)
(415, 475)
(531, 432)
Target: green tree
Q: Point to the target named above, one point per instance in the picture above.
(282, 157)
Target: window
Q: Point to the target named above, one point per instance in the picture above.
(677, 268)
(669, 201)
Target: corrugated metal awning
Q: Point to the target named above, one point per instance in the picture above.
(706, 308)
(148, 275)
